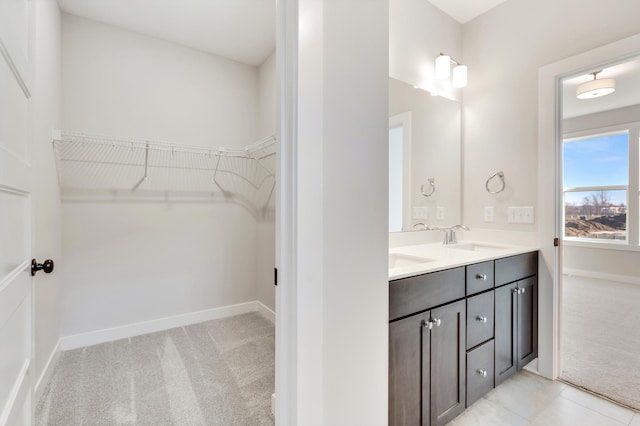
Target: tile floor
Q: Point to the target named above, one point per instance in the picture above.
(528, 399)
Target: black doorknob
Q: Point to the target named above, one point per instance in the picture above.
(46, 266)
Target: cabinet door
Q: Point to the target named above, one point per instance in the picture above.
(409, 349)
(506, 323)
(448, 362)
(527, 321)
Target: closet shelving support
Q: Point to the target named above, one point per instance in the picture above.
(127, 166)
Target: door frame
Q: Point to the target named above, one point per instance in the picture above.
(550, 187)
(403, 120)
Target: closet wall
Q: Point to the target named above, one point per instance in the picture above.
(132, 261)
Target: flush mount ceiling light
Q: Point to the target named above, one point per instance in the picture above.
(596, 88)
(443, 70)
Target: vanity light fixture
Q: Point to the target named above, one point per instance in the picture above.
(443, 70)
(596, 88)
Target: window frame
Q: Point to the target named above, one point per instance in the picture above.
(631, 243)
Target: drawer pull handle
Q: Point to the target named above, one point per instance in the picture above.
(482, 277)
(481, 372)
(481, 319)
(427, 324)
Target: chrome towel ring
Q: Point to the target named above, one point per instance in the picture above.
(433, 188)
(501, 176)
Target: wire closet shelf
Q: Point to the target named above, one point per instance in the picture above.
(94, 163)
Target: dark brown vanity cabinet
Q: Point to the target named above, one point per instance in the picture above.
(427, 358)
(456, 333)
(516, 315)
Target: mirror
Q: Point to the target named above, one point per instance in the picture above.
(424, 158)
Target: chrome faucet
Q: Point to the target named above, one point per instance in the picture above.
(449, 233)
(452, 234)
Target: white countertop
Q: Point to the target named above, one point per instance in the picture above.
(442, 256)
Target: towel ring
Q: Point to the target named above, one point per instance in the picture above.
(433, 188)
(501, 176)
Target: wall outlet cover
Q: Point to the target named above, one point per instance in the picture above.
(420, 213)
(489, 214)
(520, 215)
(440, 213)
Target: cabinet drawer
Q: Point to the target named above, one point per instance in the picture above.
(479, 372)
(479, 277)
(480, 319)
(415, 294)
(514, 268)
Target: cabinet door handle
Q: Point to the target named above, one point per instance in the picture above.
(515, 290)
(481, 372)
(427, 324)
(437, 322)
(482, 277)
(522, 290)
(481, 318)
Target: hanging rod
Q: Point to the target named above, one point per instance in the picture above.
(110, 163)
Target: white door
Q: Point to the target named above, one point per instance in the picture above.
(16, 20)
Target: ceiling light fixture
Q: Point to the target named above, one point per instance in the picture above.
(596, 88)
(443, 70)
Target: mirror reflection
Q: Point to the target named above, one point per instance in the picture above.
(424, 158)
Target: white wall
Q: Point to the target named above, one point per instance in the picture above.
(119, 82)
(501, 114)
(342, 213)
(266, 222)
(418, 33)
(504, 48)
(46, 214)
(130, 261)
(137, 261)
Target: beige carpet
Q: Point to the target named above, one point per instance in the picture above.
(600, 338)
(218, 372)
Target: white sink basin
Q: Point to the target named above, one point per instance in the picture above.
(474, 247)
(400, 260)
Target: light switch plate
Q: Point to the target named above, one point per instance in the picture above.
(440, 213)
(420, 213)
(520, 215)
(488, 214)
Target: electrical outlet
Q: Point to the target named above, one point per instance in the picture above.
(440, 213)
(420, 213)
(520, 215)
(488, 214)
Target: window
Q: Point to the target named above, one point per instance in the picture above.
(597, 187)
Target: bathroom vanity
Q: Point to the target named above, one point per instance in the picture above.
(462, 319)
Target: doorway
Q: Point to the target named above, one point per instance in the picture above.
(599, 195)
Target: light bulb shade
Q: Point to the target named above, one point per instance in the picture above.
(596, 88)
(443, 67)
(459, 78)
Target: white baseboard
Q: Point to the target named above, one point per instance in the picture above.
(136, 329)
(266, 312)
(602, 276)
(47, 371)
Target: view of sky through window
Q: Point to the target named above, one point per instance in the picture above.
(597, 161)
(596, 167)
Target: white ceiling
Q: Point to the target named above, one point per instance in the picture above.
(242, 30)
(627, 76)
(465, 10)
